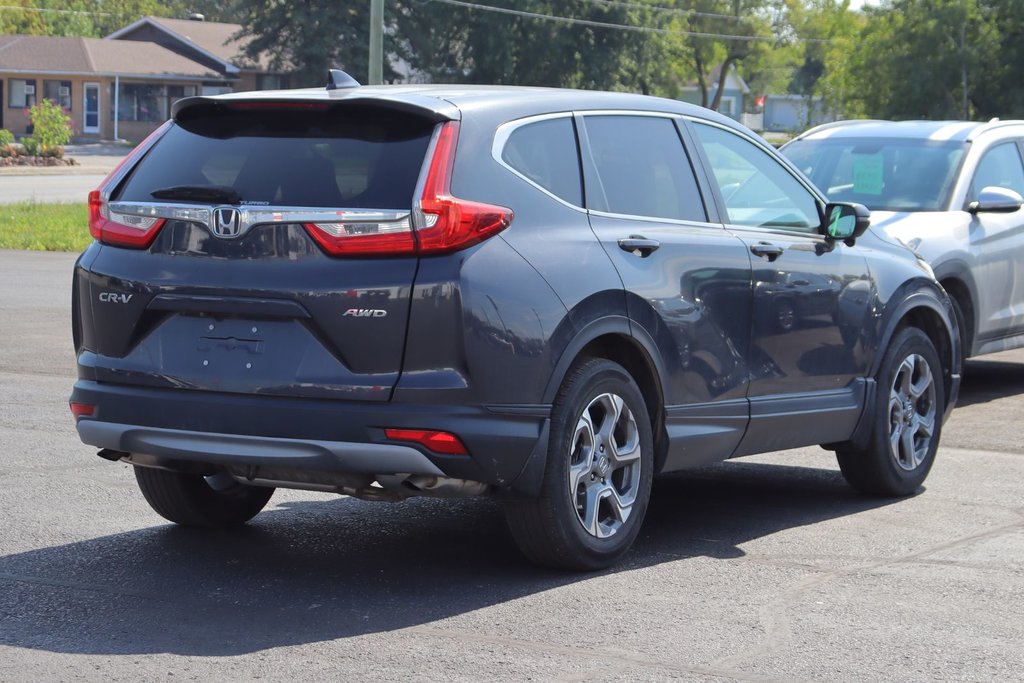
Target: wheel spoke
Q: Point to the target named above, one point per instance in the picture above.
(905, 376)
(908, 456)
(613, 406)
(591, 507)
(924, 380)
(895, 437)
(621, 506)
(925, 424)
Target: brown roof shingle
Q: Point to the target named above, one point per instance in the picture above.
(54, 54)
(215, 38)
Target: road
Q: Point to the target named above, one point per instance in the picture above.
(768, 568)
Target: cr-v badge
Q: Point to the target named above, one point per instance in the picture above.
(115, 298)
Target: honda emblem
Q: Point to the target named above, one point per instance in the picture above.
(226, 222)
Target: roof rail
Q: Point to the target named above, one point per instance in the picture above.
(338, 80)
(992, 124)
(835, 124)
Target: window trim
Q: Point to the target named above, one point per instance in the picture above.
(505, 131)
(710, 209)
(719, 201)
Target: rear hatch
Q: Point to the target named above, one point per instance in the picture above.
(259, 247)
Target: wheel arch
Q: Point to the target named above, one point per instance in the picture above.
(929, 310)
(957, 281)
(615, 339)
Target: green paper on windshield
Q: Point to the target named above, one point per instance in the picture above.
(867, 173)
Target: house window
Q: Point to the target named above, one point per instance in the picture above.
(58, 92)
(271, 82)
(148, 103)
(22, 93)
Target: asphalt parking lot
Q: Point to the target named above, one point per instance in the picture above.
(767, 568)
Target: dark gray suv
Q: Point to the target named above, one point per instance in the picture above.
(544, 296)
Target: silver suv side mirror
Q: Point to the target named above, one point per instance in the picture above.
(996, 200)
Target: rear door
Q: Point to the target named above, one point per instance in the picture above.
(687, 280)
(237, 293)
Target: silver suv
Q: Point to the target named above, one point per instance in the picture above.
(952, 192)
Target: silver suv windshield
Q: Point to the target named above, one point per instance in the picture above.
(884, 174)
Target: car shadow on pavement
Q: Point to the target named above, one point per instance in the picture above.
(314, 571)
(987, 380)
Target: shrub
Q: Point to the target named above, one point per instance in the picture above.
(51, 129)
(6, 137)
(31, 146)
(9, 151)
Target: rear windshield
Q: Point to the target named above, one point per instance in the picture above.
(345, 157)
(884, 174)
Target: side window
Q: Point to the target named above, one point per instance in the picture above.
(642, 169)
(1000, 167)
(757, 189)
(545, 152)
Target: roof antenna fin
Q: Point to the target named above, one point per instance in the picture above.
(338, 79)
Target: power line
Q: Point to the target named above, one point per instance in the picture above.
(20, 8)
(620, 27)
(667, 10)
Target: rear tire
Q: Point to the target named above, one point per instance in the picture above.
(597, 480)
(907, 421)
(195, 500)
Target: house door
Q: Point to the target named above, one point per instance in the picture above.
(91, 121)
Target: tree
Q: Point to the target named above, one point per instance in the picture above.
(921, 59)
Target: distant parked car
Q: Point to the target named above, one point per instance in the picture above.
(546, 296)
(952, 192)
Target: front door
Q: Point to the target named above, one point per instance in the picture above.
(91, 108)
(996, 240)
(811, 299)
(687, 279)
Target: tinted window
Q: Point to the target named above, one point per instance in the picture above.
(643, 169)
(756, 188)
(545, 152)
(884, 174)
(349, 159)
(1000, 167)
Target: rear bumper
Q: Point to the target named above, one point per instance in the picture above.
(309, 434)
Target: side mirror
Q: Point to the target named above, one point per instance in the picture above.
(846, 221)
(996, 200)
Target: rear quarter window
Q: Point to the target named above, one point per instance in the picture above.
(345, 158)
(545, 153)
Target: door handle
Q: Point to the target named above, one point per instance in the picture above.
(638, 245)
(767, 250)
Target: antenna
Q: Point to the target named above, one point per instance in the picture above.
(338, 80)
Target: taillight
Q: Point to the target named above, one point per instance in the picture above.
(448, 223)
(121, 230)
(118, 229)
(439, 442)
(452, 224)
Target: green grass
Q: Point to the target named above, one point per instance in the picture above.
(44, 227)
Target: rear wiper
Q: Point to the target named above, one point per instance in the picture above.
(199, 193)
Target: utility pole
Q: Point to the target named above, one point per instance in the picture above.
(376, 42)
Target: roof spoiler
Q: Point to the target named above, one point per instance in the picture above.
(339, 80)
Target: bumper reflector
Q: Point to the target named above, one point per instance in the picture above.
(80, 410)
(439, 442)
